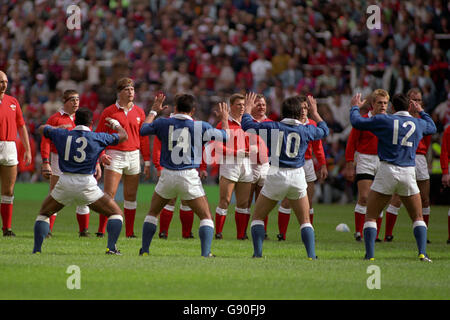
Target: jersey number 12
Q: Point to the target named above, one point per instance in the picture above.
(411, 130)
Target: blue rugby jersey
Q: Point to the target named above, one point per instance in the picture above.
(286, 140)
(398, 134)
(182, 140)
(79, 149)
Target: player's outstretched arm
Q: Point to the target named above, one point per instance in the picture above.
(249, 103)
(222, 114)
(312, 103)
(115, 125)
(157, 108)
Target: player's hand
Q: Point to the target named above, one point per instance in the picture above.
(249, 103)
(222, 112)
(446, 180)
(349, 171)
(27, 157)
(356, 100)
(158, 103)
(105, 159)
(323, 173)
(203, 174)
(46, 170)
(147, 172)
(415, 107)
(312, 104)
(98, 171)
(112, 123)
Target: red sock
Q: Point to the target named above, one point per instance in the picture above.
(266, 220)
(83, 217)
(242, 217)
(165, 218)
(379, 221)
(187, 219)
(83, 221)
(52, 221)
(130, 215)
(102, 223)
(221, 215)
(391, 218)
(359, 222)
(6, 212)
(283, 220)
(311, 215)
(426, 215)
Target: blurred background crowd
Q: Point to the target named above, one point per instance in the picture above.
(214, 48)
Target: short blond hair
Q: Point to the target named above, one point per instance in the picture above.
(235, 97)
(378, 93)
(123, 83)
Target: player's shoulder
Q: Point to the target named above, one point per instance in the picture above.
(312, 122)
(11, 100)
(110, 109)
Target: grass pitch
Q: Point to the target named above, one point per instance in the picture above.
(175, 271)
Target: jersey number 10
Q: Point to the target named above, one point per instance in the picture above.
(411, 130)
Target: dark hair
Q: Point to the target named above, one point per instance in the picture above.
(123, 83)
(83, 117)
(185, 102)
(400, 102)
(69, 93)
(290, 108)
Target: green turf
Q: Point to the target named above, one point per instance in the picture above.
(175, 270)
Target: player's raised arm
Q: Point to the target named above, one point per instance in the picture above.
(321, 131)
(115, 125)
(416, 107)
(222, 115)
(250, 99)
(157, 108)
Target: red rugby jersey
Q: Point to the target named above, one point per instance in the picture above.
(424, 144)
(238, 140)
(364, 142)
(445, 150)
(316, 147)
(11, 118)
(131, 121)
(57, 119)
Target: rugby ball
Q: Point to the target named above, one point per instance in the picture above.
(342, 227)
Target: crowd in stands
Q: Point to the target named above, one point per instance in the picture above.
(214, 48)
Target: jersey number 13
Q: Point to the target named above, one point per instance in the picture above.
(82, 154)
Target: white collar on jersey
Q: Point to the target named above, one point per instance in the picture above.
(292, 122)
(369, 114)
(402, 113)
(234, 120)
(62, 112)
(120, 107)
(181, 116)
(81, 128)
(305, 123)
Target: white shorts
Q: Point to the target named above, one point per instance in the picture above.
(8, 153)
(78, 189)
(310, 173)
(54, 164)
(285, 183)
(124, 162)
(422, 168)
(260, 173)
(392, 179)
(239, 171)
(185, 184)
(367, 163)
